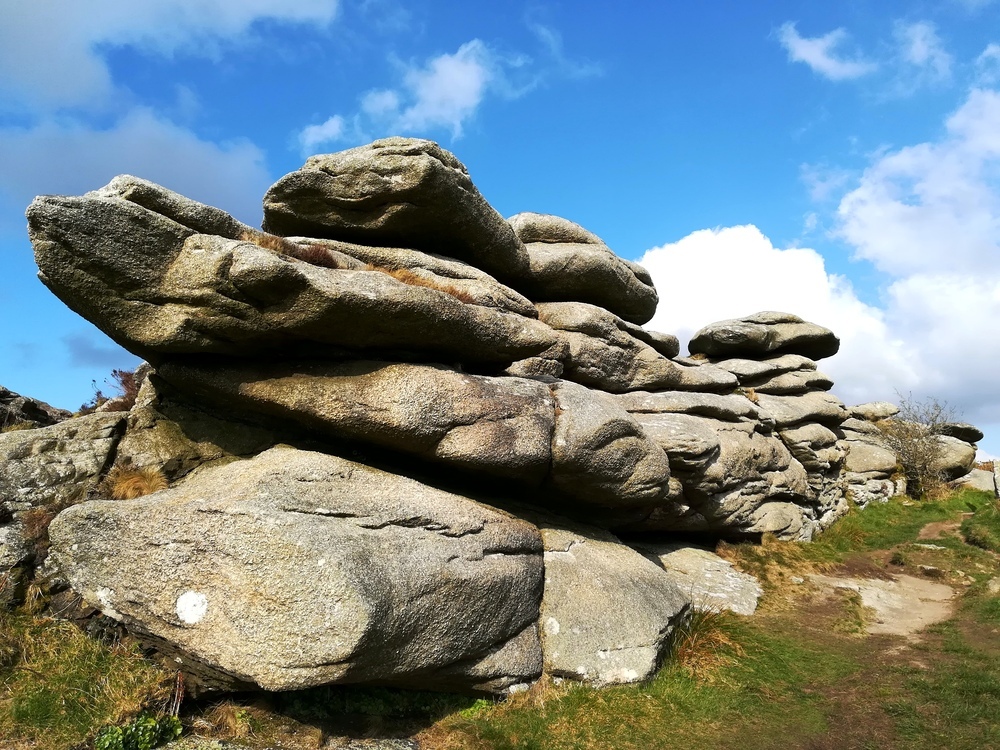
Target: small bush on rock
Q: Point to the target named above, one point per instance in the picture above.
(913, 436)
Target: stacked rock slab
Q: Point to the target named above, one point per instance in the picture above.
(871, 467)
(405, 436)
(766, 457)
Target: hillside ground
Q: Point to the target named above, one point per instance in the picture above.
(814, 669)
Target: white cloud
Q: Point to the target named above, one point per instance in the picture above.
(330, 131)
(445, 92)
(934, 205)
(726, 273)
(72, 158)
(928, 215)
(922, 49)
(988, 65)
(50, 50)
(820, 53)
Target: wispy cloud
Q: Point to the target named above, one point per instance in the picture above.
(921, 59)
(72, 37)
(821, 54)
(85, 351)
(988, 65)
(445, 92)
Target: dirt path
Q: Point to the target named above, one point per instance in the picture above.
(903, 606)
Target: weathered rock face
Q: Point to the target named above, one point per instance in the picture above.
(396, 192)
(42, 471)
(607, 611)
(711, 582)
(400, 322)
(765, 333)
(20, 412)
(295, 569)
(569, 264)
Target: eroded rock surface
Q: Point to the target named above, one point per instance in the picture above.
(295, 569)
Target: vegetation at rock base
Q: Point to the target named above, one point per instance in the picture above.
(800, 673)
(59, 687)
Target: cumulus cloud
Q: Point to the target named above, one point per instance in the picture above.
(820, 53)
(72, 158)
(50, 51)
(716, 274)
(928, 216)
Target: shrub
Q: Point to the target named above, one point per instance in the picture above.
(913, 436)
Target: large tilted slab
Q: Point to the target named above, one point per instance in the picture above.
(561, 435)
(158, 288)
(296, 569)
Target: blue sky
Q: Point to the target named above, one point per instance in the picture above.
(836, 160)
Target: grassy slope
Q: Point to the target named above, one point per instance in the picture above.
(799, 674)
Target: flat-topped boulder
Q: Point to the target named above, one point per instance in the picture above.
(874, 410)
(569, 264)
(961, 430)
(765, 333)
(396, 192)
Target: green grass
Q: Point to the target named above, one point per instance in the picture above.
(58, 686)
(983, 528)
(799, 674)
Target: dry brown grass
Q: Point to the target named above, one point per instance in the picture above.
(985, 465)
(751, 395)
(312, 254)
(770, 562)
(701, 645)
(18, 426)
(414, 279)
(126, 482)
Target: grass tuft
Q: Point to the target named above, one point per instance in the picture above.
(312, 254)
(983, 528)
(125, 482)
(407, 276)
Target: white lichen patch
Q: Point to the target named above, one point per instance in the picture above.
(191, 607)
(104, 596)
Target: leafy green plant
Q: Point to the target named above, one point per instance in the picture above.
(144, 732)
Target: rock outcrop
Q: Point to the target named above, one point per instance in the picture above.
(406, 440)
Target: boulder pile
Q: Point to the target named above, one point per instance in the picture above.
(405, 437)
